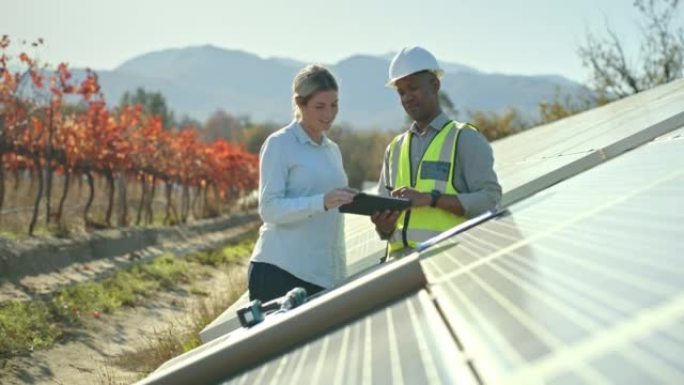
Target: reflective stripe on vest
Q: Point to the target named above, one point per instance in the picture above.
(419, 224)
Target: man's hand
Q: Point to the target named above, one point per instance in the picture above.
(385, 222)
(418, 199)
(449, 203)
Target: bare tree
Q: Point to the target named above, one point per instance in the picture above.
(661, 53)
(447, 104)
(223, 125)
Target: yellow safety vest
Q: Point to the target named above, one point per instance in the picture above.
(435, 172)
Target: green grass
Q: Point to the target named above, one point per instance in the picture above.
(13, 236)
(181, 336)
(16, 232)
(230, 254)
(125, 287)
(25, 326)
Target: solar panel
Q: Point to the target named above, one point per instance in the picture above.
(529, 162)
(363, 246)
(676, 134)
(566, 279)
(403, 343)
(229, 354)
(597, 128)
(520, 180)
(226, 322)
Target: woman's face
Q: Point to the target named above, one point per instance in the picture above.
(320, 111)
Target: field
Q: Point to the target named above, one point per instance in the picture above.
(118, 327)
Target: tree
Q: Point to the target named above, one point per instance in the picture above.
(496, 126)
(255, 136)
(153, 103)
(661, 53)
(222, 125)
(188, 121)
(447, 104)
(562, 106)
(362, 152)
(41, 134)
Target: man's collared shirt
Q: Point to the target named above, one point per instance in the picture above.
(474, 175)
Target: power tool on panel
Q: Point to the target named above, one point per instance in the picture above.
(255, 312)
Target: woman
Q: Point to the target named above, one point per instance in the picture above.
(301, 183)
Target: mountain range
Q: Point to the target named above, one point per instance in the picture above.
(197, 81)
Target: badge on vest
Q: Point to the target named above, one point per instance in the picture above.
(435, 170)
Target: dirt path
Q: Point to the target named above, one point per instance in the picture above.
(96, 353)
(31, 286)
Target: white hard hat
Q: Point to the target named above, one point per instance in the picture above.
(411, 60)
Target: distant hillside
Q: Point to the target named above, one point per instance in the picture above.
(199, 80)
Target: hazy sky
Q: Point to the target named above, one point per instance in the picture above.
(507, 36)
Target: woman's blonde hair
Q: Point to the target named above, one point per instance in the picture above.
(310, 80)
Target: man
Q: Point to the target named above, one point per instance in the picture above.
(443, 166)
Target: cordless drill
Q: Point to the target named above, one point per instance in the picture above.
(255, 311)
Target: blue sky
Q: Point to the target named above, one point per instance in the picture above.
(515, 37)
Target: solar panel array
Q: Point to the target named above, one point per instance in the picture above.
(535, 159)
(581, 280)
(577, 276)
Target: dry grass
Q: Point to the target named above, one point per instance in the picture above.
(178, 337)
(182, 334)
(106, 375)
(20, 194)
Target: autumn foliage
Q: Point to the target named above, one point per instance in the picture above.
(52, 124)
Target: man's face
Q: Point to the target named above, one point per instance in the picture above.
(419, 95)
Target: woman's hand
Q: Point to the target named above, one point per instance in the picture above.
(339, 197)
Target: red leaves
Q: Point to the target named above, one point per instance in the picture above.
(25, 58)
(101, 140)
(63, 75)
(90, 86)
(7, 78)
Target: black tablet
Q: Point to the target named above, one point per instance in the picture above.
(366, 204)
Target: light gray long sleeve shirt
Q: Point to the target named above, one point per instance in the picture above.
(474, 175)
(298, 234)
